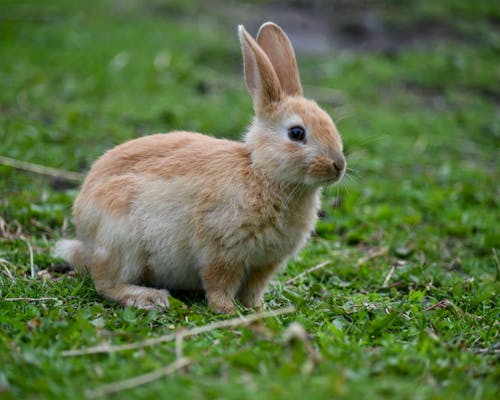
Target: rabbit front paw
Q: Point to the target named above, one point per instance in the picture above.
(220, 303)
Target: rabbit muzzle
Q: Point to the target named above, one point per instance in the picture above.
(327, 168)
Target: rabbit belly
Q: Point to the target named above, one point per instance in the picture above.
(165, 215)
(171, 262)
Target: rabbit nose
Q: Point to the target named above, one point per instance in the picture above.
(338, 163)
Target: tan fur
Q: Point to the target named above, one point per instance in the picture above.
(112, 195)
(221, 282)
(187, 211)
(261, 78)
(254, 284)
(280, 52)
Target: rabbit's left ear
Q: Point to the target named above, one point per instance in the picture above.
(260, 76)
(278, 48)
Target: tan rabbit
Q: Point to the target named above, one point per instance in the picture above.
(187, 211)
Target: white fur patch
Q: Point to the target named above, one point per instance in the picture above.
(69, 250)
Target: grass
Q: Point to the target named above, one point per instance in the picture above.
(421, 126)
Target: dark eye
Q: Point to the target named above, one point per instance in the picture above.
(297, 133)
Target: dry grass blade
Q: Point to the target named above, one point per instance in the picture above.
(4, 263)
(31, 299)
(389, 275)
(229, 323)
(118, 386)
(446, 304)
(6, 229)
(69, 176)
(440, 304)
(32, 264)
(46, 228)
(315, 268)
(178, 347)
(488, 351)
(382, 251)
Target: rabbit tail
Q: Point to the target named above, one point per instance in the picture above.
(72, 251)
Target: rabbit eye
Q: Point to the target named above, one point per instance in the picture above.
(297, 133)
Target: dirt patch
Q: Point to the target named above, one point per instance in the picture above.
(317, 27)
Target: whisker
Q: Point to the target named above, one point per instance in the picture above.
(352, 171)
(352, 178)
(284, 195)
(373, 138)
(293, 192)
(355, 154)
(352, 175)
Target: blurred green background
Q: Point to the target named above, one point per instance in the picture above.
(414, 87)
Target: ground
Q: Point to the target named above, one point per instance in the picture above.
(404, 303)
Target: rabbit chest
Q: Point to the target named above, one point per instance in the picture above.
(258, 228)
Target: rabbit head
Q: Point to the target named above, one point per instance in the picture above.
(292, 139)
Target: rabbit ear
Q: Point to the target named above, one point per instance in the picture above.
(260, 76)
(278, 48)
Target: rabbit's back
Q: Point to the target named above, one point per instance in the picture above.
(164, 155)
(114, 179)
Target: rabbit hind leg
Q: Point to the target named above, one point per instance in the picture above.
(119, 284)
(128, 295)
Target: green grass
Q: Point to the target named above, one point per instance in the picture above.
(422, 130)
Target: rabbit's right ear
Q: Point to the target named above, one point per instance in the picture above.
(275, 43)
(260, 76)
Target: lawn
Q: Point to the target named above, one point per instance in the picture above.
(403, 303)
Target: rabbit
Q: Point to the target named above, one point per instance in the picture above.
(187, 211)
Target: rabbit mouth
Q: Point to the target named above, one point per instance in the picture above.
(324, 180)
(325, 173)
(333, 179)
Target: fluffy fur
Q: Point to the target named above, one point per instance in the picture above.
(187, 211)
